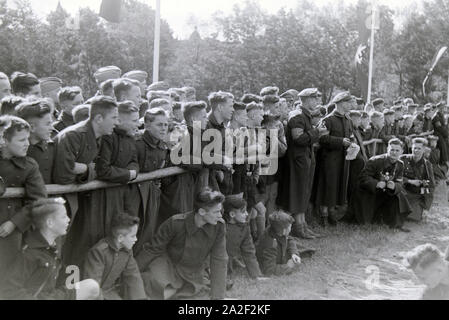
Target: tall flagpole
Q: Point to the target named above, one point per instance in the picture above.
(447, 88)
(157, 38)
(371, 52)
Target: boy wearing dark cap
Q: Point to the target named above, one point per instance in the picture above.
(111, 262)
(38, 115)
(238, 236)
(276, 251)
(35, 271)
(16, 170)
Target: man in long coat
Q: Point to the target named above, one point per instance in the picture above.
(333, 168)
(296, 183)
(441, 131)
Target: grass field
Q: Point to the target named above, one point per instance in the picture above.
(356, 262)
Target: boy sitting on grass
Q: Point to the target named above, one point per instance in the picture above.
(111, 262)
(431, 267)
(277, 252)
(34, 274)
(238, 236)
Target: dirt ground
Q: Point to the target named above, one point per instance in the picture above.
(356, 262)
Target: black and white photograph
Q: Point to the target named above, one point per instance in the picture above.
(248, 151)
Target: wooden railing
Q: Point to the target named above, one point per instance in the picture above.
(56, 189)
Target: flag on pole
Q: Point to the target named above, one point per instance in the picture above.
(435, 61)
(361, 59)
(111, 9)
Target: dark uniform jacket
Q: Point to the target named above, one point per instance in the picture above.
(75, 144)
(224, 186)
(35, 272)
(177, 254)
(79, 144)
(365, 201)
(442, 132)
(64, 121)
(297, 176)
(240, 243)
(152, 155)
(333, 169)
(44, 154)
(115, 270)
(17, 172)
(273, 253)
(117, 156)
(379, 148)
(421, 170)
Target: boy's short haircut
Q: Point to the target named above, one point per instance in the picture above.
(127, 107)
(8, 105)
(107, 85)
(121, 86)
(397, 142)
(102, 105)
(22, 82)
(81, 112)
(423, 255)
(68, 93)
(151, 114)
(42, 208)
(422, 141)
(239, 106)
(215, 98)
(233, 202)
(33, 109)
(157, 103)
(122, 222)
(17, 124)
(191, 108)
(247, 98)
(279, 220)
(206, 199)
(355, 113)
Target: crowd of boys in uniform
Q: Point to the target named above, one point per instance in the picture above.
(184, 236)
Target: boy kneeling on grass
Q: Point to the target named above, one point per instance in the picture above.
(277, 252)
(431, 267)
(111, 262)
(34, 274)
(239, 241)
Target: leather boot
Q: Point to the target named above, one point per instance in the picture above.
(299, 230)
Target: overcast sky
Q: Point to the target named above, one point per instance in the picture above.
(178, 12)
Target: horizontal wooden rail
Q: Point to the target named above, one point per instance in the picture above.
(56, 189)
